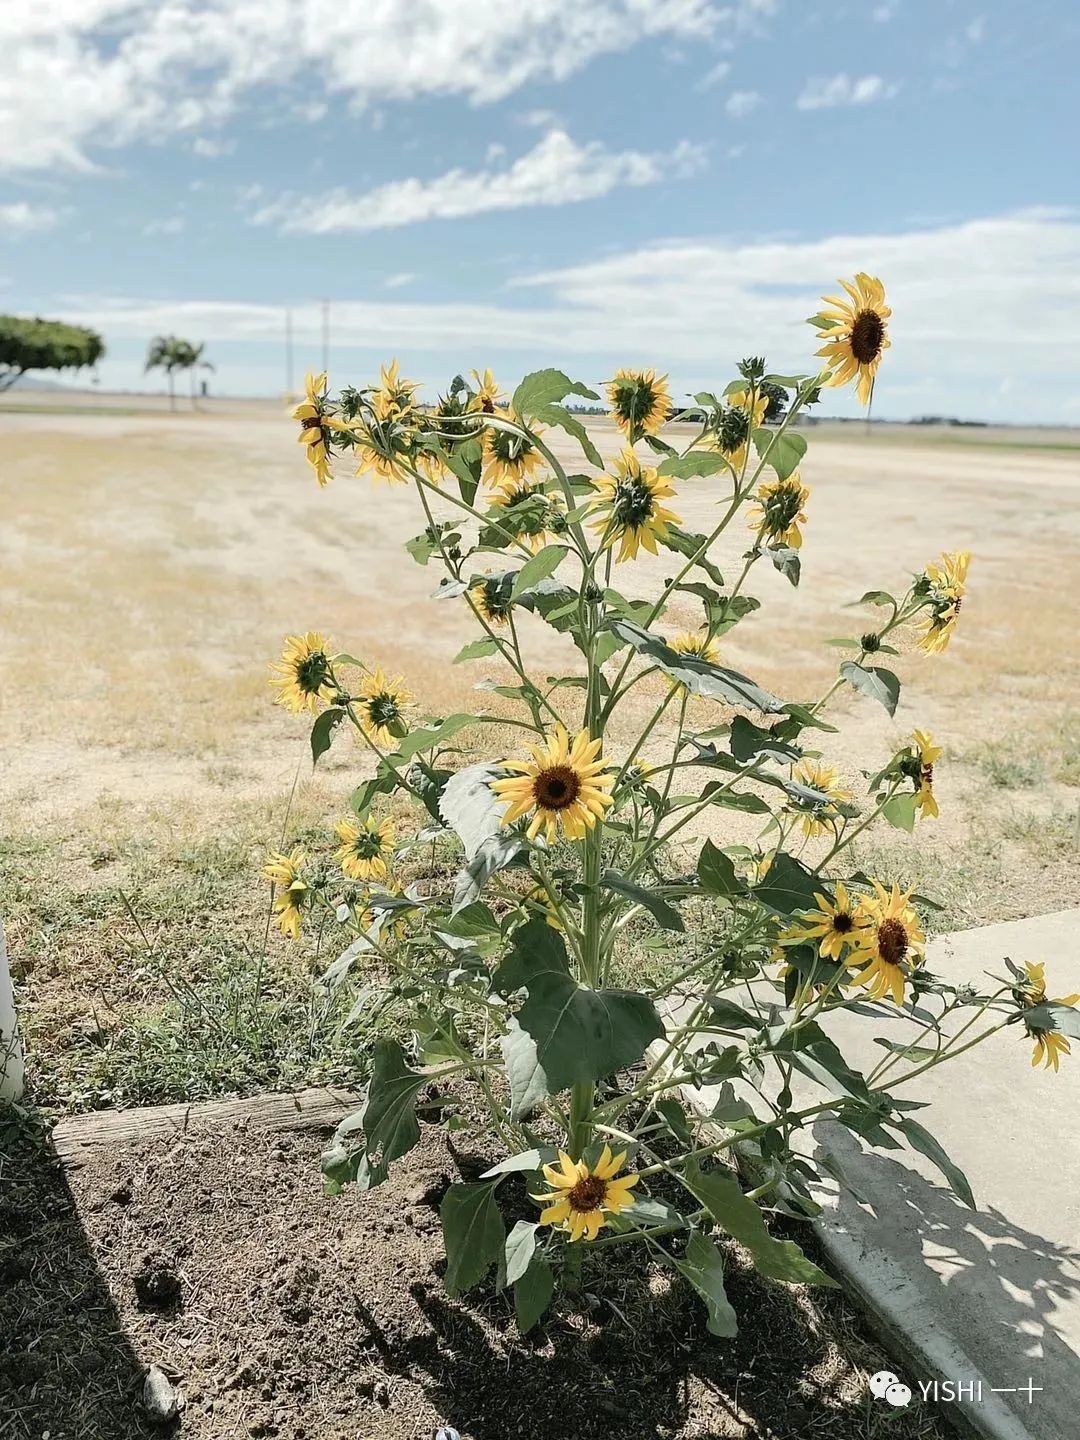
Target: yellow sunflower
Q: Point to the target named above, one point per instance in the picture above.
(833, 926)
(818, 776)
(629, 509)
(945, 583)
(317, 425)
(564, 783)
(488, 398)
(779, 511)
(1049, 1045)
(365, 847)
(302, 675)
(583, 1197)
(640, 402)
(926, 752)
(856, 335)
(394, 396)
(382, 704)
(291, 890)
(889, 943)
(509, 459)
(531, 514)
(491, 597)
(734, 425)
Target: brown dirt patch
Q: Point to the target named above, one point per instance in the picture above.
(281, 1312)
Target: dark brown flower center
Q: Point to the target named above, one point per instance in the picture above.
(313, 422)
(487, 405)
(892, 940)
(588, 1194)
(928, 775)
(843, 923)
(556, 787)
(867, 333)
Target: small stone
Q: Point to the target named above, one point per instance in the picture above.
(446, 1432)
(161, 1400)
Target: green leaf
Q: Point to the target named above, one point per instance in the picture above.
(697, 462)
(703, 1266)
(322, 732)
(416, 741)
(546, 387)
(565, 1032)
(789, 382)
(899, 810)
(473, 1234)
(880, 684)
(748, 803)
(920, 1139)
(520, 1248)
(532, 1293)
(557, 415)
(748, 740)
(544, 563)
(513, 1164)
(683, 542)
(470, 807)
(664, 914)
(716, 872)
(915, 1053)
(700, 677)
(1052, 1015)
(389, 1117)
(476, 650)
(876, 597)
(787, 561)
(723, 1197)
(474, 922)
(788, 885)
(784, 450)
(493, 854)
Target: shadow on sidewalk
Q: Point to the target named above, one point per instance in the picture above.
(66, 1367)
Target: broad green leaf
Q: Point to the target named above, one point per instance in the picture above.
(544, 563)
(389, 1118)
(697, 462)
(920, 1139)
(476, 650)
(474, 922)
(789, 382)
(787, 561)
(532, 1293)
(703, 1266)
(473, 1234)
(748, 740)
(716, 872)
(520, 1248)
(700, 677)
(664, 914)
(915, 1053)
(788, 885)
(876, 597)
(418, 741)
(546, 387)
(558, 415)
(382, 783)
(492, 855)
(802, 718)
(725, 1201)
(1051, 1015)
(784, 450)
(880, 684)
(322, 732)
(735, 800)
(899, 810)
(729, 1016)
(470, 807)
(524, 1160)
(683, 542)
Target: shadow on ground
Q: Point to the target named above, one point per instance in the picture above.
(66, 1367)
(1009, 1297)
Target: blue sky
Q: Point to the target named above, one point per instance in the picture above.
(577, 182)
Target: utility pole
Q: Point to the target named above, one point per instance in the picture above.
(288, 354)
(326, 334)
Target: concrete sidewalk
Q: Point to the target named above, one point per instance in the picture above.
(990, 1298)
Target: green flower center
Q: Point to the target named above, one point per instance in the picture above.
(509, 448)
(733, 429)
(383, 709)
(867, 333)
(367, 845)
(312, 672)
(634, 400)
(588, 1194)
(782, 509)
(633, 504)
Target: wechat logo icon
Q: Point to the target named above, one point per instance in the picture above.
(884, 1385)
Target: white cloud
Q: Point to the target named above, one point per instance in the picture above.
(713, 77)
(741, 103)
(884, 12)
(976, 30)
(171, 225)
(557, 171)
(969, 309)
(21, 218)
(79, 74)
(207, 148)
(827, 92)
(395, 282)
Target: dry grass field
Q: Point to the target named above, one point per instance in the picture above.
(151, 563)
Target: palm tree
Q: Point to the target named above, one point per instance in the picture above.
(196, 362)
(168, 353)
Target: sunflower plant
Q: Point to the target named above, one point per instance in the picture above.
(631, 967)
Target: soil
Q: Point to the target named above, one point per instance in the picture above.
(277, 1311)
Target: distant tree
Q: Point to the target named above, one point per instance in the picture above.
(170, 353)
(196, 362)
(36, 344)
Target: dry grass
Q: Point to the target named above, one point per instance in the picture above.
(150, 565)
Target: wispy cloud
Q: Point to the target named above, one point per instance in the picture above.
(22, 218)
(719, 71)
(557, 171)
(741, 103)
(828, 92)
(395, 282)
(168, 225)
